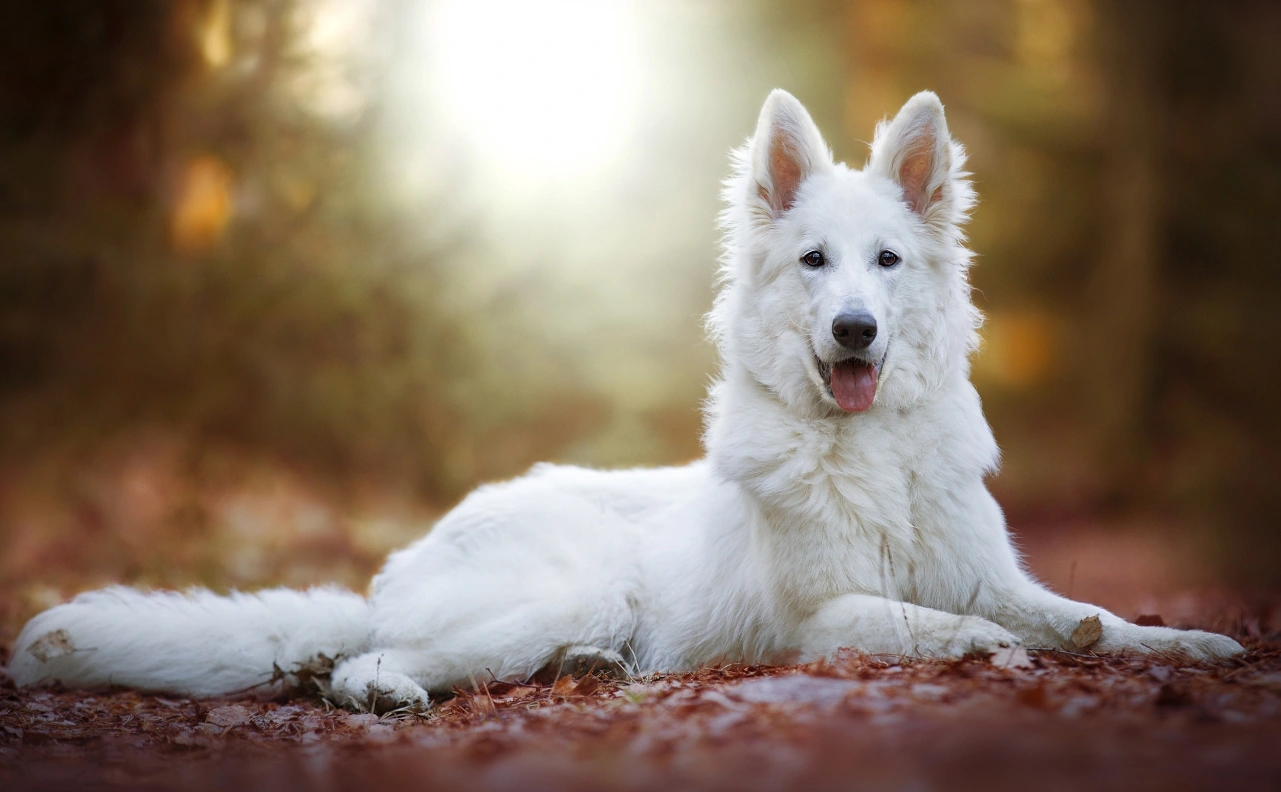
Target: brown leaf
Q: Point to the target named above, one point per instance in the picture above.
(564, 687)
(1088, 632)
(361, 720)
(1011, 657)
(518, 692)
(1150, 620)
(586, 686)
(50, 645)
(232, 715)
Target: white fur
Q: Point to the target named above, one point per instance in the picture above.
(194, 642)
(804, 530)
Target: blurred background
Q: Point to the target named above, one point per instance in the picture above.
(281, 280)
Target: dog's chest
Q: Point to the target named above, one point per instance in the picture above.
(849, 520)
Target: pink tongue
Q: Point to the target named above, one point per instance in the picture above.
(854, 385)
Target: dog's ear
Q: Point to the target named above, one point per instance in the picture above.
(916, 151)
(786, 150)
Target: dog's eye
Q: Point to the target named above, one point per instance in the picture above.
(888, 258)
(813, 258)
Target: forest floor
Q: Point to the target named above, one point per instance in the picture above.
(1040, 720)
(1045, 722)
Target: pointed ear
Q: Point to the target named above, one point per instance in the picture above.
(916, 152)
(786, 150)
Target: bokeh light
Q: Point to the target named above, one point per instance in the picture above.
(548, 91)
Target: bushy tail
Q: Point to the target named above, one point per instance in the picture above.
(193, 643)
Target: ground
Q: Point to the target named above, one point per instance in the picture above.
(1039, 720)
(1044, 721)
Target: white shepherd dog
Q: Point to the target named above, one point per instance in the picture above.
(841, 503)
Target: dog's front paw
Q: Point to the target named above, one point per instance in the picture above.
(1194, 645)
(393, 692)
(361, 684)
(973, 636)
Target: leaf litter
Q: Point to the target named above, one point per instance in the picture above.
(852, 721)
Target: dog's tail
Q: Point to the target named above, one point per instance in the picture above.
(193, 643)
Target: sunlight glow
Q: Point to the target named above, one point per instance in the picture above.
(544, 90)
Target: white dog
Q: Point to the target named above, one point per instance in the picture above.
(841, 503)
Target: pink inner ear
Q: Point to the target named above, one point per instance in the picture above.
(784, 174)
(914, 174)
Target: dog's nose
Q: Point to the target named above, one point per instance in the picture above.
(854, 329)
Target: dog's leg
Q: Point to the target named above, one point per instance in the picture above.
(388, 679)
(496, 637)
(1044, 619)
(882, 626)
(1004, 593)
(379, 681)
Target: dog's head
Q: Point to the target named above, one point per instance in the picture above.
(847, 288)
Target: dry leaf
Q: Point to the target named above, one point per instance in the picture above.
(51, 645)
(1011, 657)
(482, 703)
(232, 715)
(586, 686)
(519, 692)
(564, 687)
(1088, 632)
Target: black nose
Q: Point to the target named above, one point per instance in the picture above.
(854, 329)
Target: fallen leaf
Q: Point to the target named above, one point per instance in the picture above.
(1011, 657)
(518, 692)
(51, 645)
(564, 687)
(231, 715)
(482, 703)
(1088, 632)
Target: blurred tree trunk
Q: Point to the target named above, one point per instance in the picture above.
(1120, 379)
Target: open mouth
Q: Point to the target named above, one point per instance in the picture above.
(851, 382)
